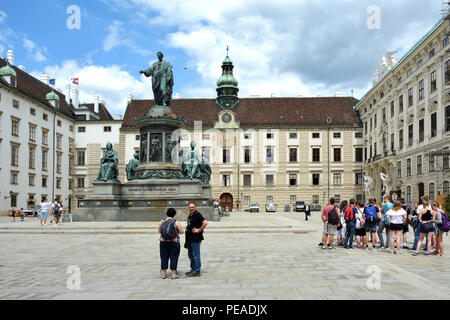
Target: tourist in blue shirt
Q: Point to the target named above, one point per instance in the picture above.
(386, 206)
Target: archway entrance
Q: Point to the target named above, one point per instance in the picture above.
(226, 200)
(421, 188)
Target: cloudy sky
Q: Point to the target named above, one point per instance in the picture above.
(286, 48)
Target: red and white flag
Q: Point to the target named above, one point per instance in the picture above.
(75, 81)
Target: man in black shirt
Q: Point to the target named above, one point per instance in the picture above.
(196, 223)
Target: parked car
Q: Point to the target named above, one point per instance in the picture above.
(271, 207)
(254, 207)
(299, 206)
(31, 211)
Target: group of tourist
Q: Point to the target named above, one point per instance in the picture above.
(170, 247)
(365, 223)
(56, 208)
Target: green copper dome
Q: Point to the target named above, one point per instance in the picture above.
(227, 86)
(8, 71)
(52, 96)
(227, 80)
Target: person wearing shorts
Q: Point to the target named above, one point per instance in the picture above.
(360, 228)
(329, 230)
(371, 224)
(43, 212)
(396, 217)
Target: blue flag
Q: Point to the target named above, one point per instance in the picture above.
(52, 82)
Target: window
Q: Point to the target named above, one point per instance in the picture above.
(399, 80)
(419, 63)
(44, 182)
(392, 142)
(433, 125)
(445, 160)
(15, 155)
(138, 137)
(399, 169)
(14, 177)
(247, 155)
(337, 179)
(81, 156)
(433, 81)
(381, 95)
(445, 42)
(59, 142)
(44, 159)
(45, 116)
(447, 71)
(316, 155)
(421, 129)
(226, 182)
(106, 129)
(316, 135)
(445, 187)
(247, 200)
(247, 180)
(292, 179)
(431, 53)
(431, 193)
(384, 115)
(269, 155)
(431, 164)
(58, 163)
(410, 97)
(292, 135)
(400, 104)
(365, 128)
(358, 178)
(337, 154)
(337, 199)
(315, 199)
(33, 111)
(293, 199)
(421, 90)
(58, 183)
(71, 128)
(32, 133)
(15, 127)
(205, 153)
(32, 157)
(447, 119)
(410, 135)
(59, 123)
(419, 164)
(358, 154)
(44, 137)
(226, 156)
(270, 135)
(408, 194)
(292, 154)
(269, 180)
(336, 135)
(70, 184)
(15, 104)
(409, 72)
(392, 109)
(80, 182)
(247, 136)
(269, 199)
(31, 180)
(316, 179)
(408, 167)
(81, 129)
(375, 121)
(13, 200)
(358, 135)
(400, 139)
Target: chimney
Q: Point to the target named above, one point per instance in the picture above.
(76, 101)
(22, 68)
(10, 57)
(67, 92)
(45, 78)
(129, 97)
(97, 104)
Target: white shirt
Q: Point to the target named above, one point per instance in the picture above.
(396, 217)
(44, 206)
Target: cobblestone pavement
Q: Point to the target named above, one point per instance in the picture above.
(244, 256)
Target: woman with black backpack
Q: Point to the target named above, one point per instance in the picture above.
(169, 243)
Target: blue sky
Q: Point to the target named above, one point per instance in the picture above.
(286, 48)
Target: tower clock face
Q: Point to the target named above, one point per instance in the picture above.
(226, 117)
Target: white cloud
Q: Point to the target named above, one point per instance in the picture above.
(2, 16)
(35, 51)
(118, 37)
(112, 83)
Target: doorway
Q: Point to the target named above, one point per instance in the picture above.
(226, 200)
(421, 187)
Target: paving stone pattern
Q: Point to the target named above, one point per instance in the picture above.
(244, 256)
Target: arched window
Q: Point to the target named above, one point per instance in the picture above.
(408, 194)
(431, 194)
(445, 187)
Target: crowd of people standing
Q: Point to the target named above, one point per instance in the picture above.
(366, 222)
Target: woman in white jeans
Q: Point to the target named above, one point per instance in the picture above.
(396, 217)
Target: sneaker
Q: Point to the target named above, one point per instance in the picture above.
(405, 247)
(194, 274)
(414, 253)
(320, 244)
(189, 272)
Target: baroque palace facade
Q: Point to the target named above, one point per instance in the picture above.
(406, 120)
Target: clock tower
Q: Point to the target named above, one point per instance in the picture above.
(227, 87)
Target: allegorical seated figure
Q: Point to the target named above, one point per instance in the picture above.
(131, 166)
(195, 166)
(109, 165)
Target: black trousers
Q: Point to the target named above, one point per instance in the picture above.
(169, 250)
